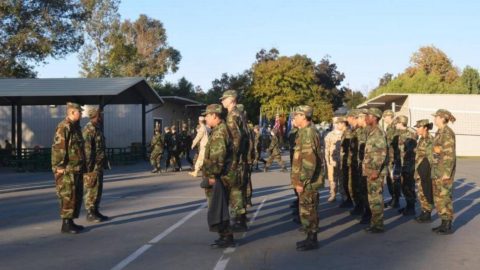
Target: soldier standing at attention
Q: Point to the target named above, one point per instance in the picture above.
(173, 144)
(332, 157)
(185, 144)
(68, 166)
(443, 169)
(217, 166)
(306, 175)
(201, 139)
(258, 147)
(345, 159)
(156, 145)
(405, 162)
(274, 152)
(423, 165)
(96, 161)
(361, 134)
(374, 169)
(354, 185)
(237, 134)
(393, 186)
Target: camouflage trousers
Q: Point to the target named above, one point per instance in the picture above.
(92, 188)
(236, 197)
(274, 157)
(354, 186)
(422, 198)
(408, 188)
(375, 201)
(443, 198)
(247, 188)
(393, 186)
(335, 182)
(155, 158)
(258, 157)
(346, 180)
(69, 188)
(308, 205)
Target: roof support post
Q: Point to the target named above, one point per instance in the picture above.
(144, 126)
(13, 127)
(19, 131)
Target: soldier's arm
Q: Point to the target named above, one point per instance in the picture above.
(310, 151)
(100, 152)
(217, 154)
(88, 141)
(377, 154)
(448, 154)
(235, 132)
(198, 137)
(59, 149)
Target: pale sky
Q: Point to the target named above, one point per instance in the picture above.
(365, 38)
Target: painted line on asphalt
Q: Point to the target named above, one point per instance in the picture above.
(223, 261)
(156, 239)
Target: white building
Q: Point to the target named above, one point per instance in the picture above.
(465, 108)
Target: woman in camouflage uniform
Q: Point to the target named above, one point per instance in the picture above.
(443, 169)
(423, 161)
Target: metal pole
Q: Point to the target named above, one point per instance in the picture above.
(14, 122)
(144, 128)
(19, 131)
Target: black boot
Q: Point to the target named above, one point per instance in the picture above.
(69, 227)
(407, 211)
(424, 217)
(224, 241)
(309, 243)
(240, 224)
(394, 203)
(366, 217)
(104, 218)
(357, 210)
(92, 216)
(435, 229)
(445, 227)
(372, 229)
(346, 204)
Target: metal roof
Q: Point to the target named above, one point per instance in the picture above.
(382, 99)
(81, 90)
(182, 100)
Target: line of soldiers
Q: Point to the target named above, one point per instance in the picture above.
(78, 162)
(178, 145)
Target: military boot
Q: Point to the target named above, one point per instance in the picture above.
(224, 241)
(240, 224)
(357, 210)
(366, 217)
(92, 216)
(424, 217)
(69, 227)
(346, 204)
(309, 243)
(407, 211)
(97, 212)
(445, 228)
(394, 203)
(373, 229)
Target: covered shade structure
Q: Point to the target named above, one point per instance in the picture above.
(102, 91)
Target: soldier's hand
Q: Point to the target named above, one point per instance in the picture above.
(374, 176)
(299, 189)
(60, 171)
(211, 181)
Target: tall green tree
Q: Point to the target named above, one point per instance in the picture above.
(33, 30)
(471, 80)
(329, 78)
(353, 98)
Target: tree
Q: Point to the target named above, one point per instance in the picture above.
(432, 60)
(471, 80)
(93, 57)
(353, 98)
(183, 88)
(264, 55)
(329, 78)
(386, 78)
(33, 30)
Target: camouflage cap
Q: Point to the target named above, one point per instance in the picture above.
(304, 109)
(402, 119)
(340, 119)
(375, 112)
(422, 123)
(93, 112)
(76, 106)
(362, 112)
(352, 113)
(240, 107)
(213, 108)
(229, 93)
(388, 113)
(445, 114)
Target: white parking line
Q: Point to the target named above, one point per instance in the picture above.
(223, 261)
(156, 239)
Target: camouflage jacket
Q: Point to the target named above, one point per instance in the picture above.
(444, 155)
(274, 148)
(68, 148)
(424, 150)
(353, 147)
(361, 135)
(332, 148)
(345, 153)
(404, 150)
(184, 140)
(94, 148)
(292, 135)
(375, 153)
(390, 134)
(251, 146)
(258, 142)
(237, 134)
(218, 153)
(307, 160)
(157, 144)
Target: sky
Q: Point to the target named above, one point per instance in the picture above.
(365, 38)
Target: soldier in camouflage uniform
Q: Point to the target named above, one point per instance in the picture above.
(332, 156)
(374, 169)
(354, 166)
(247, 157)
(185, 144)
(404, 162)
(306, 175)
(361, 134)
(68, 166)
(274, 152)
(156, 147)
(96, 161)
(345, 161)
(258, 147)
(217, 166)
(423, 161)
(393, 186)
(173, 146)
(444, 163)
(238, 135)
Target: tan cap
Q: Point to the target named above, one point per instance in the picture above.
(76, 106)
(340, 119)
(388, 113)
(304, 109)
(213, 108)
(402, 119)
(422, 123)
(229, 93)
(445, 114)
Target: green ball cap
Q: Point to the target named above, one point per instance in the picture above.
(213, 108)
(229, 93)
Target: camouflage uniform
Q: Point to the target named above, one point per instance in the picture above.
(424, 151)
(333, 160)
(258, 149)
(185, 144)
(68, 154)
(218, 163)
(443, 169)
(375, 163)
(156, 145)
(275, 153)
(173, 146)
(345, 166)
(393, 185)
(361, 135)
(404, 162)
